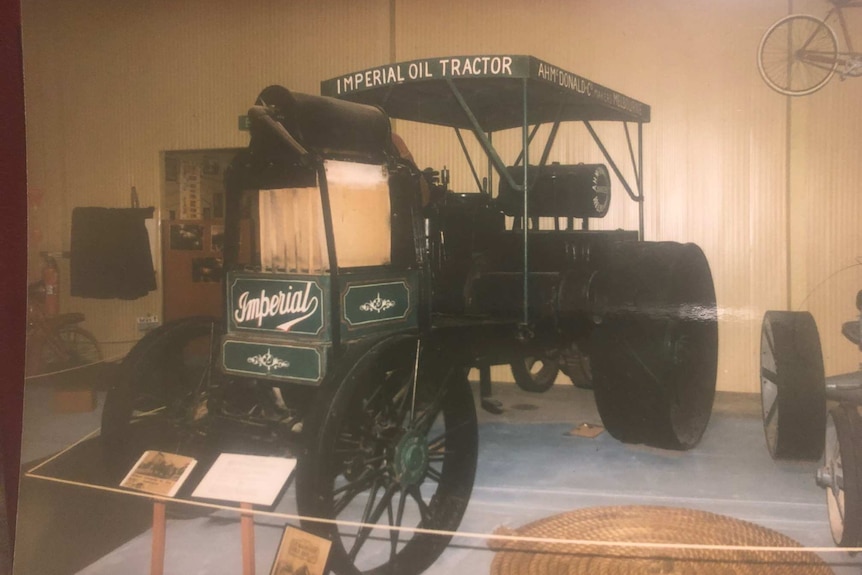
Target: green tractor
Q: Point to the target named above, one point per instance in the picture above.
(359, 291)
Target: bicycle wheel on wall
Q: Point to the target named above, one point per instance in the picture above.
(797, 55)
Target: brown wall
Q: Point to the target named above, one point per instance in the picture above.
(765, 185)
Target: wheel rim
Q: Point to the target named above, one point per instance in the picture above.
(392, 485)
(798, 55)
(769, 387)
(835, 500)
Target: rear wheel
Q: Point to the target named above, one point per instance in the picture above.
(159, 399)
(385, 457)
(792, 386)
(535, 374)
(797, 55)
(654, 351)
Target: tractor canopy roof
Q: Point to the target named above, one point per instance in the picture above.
(499, 91)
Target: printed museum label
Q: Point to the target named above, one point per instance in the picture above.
(255, 479)
(300, 553)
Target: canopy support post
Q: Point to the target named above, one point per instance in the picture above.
(639, 198)
(483, 139)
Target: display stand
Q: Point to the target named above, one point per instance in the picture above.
(247, 480)
(247, 530)
(157, 561)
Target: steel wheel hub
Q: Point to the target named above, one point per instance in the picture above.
(411, 458)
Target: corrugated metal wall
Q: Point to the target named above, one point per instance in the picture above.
(110, 85)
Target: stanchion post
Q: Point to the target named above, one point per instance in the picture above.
(247, 528)
(157, 561)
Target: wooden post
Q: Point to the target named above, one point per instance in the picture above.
(247, 529)
(157, 560)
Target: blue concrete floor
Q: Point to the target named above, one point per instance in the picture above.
(529, 468)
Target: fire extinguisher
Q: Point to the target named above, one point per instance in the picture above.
(51, 281)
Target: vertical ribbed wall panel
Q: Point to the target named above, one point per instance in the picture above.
(826, 253)
(714, 152)
(111, 85)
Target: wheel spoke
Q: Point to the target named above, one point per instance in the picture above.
(434, 474)
(371, 517)
(369, 505)
(770, 415)
(360, 483)
(424, 510)
(636, 356)
(395, 533)
(425, 418)
(770, 375)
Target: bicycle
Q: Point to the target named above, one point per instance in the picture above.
(800, 53)
(56, 343)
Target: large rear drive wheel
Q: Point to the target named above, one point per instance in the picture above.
(654, 350)
(841, 474)
(159, 399)
(385, 454)
(792, 386)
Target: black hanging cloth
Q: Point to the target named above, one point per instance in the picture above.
(110, 253)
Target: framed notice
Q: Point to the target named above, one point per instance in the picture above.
(191, 207)
(159, 473)
(300, 553)
(253, 479)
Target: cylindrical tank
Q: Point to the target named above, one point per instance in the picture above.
(559, 190)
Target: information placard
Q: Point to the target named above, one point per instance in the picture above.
(241, 478)
(159, 473)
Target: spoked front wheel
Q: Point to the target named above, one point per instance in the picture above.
(388, 451)
(798, 55)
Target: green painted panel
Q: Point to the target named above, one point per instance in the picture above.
(278, 305)
(376, 302)
(269, 360)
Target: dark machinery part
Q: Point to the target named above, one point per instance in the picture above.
(535, 374)
(573, 191)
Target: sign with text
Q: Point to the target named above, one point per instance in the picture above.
(242, 478)
(491, 67)
(276, 305)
